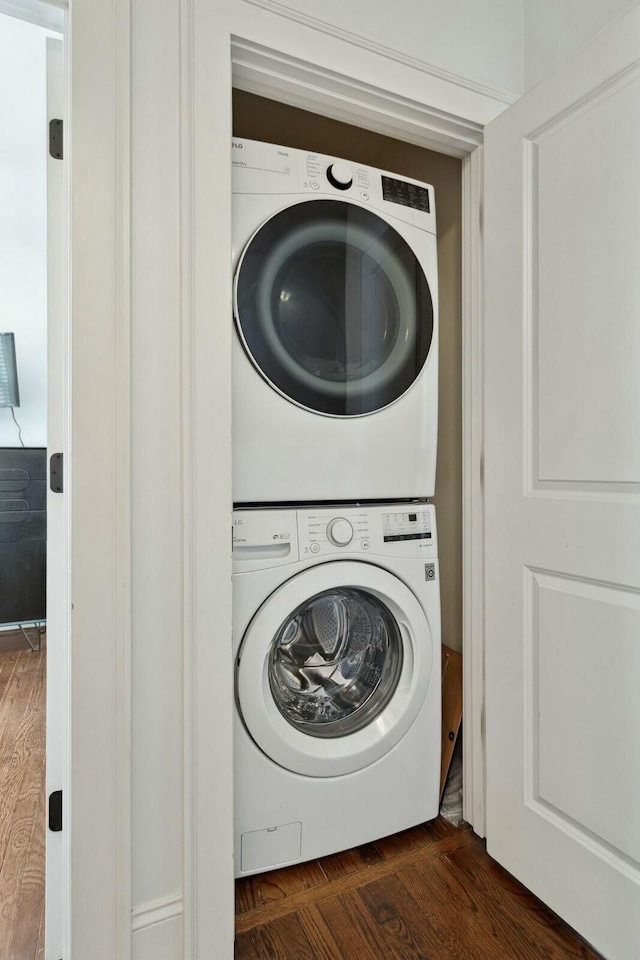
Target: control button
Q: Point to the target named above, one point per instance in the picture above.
(364, 195)
(340, 532)
(314, 184)
(315, 548)
(339, 175)
(365, 544)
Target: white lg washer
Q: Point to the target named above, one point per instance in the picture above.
(337, 678)
(335, 354)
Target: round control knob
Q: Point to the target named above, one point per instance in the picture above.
(339, 175)
(340, 532)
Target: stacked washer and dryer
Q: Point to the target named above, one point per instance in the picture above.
(336, 584)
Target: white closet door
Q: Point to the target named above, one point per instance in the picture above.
(562, 470)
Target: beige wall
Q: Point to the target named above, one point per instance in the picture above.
(260, 119)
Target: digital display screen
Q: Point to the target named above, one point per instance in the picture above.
(406, 194)
(395, 538)
(406, 526)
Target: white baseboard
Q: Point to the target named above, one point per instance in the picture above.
(157, 930)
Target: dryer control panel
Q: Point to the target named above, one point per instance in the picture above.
(267, 168)
(267, 538)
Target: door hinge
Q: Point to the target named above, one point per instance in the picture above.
(55, 811)
(56, 472)
(55, 139)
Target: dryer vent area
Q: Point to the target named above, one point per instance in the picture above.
(257, 118)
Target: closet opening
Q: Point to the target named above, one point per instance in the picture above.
(260, 119)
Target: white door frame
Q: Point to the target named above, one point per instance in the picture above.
(212, 55)
(58, 566)
(94, 347)
(98, 475)
(273, 74)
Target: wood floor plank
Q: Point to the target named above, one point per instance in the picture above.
(278, 908)
(246, 945)
(247, 896)
(262, 888)
(7, 666)
(40, 943)
(24, 737)
(342, 864)
(14, 701)
(249, 890)
(319, 934)
(529, 927)
(404, 939)
(451, 913)
(441, 829)
(400, 843)
(280, 940)
(369, 854)
(22, 759)
(355, 935)
(346, 862)
(30, 758)
(22, 944)
(12, 640)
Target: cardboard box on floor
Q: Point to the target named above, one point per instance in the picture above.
(451, 708)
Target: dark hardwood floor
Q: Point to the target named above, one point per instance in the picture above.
(431, 893)
(22, 801)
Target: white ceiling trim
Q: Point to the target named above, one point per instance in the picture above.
(47, 15)
(323, 26)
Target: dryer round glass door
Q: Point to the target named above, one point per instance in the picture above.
(334, 668)
(333, 308)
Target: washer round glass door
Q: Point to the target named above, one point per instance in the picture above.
(335, 662)
(334, 668)
(333, 308)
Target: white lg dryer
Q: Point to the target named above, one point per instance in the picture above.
(335, 354)
(337, 673)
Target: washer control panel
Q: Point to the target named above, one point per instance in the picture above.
(386, 530)
(332, 530)
(406, 525)
(279, 536)
(339, 531)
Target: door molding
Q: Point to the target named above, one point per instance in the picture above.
(473, 733)
(279, 76)
(205, 256)
(213, 53)
(100, 491)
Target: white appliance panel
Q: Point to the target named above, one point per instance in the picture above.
(301, 796)
(283, 451)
